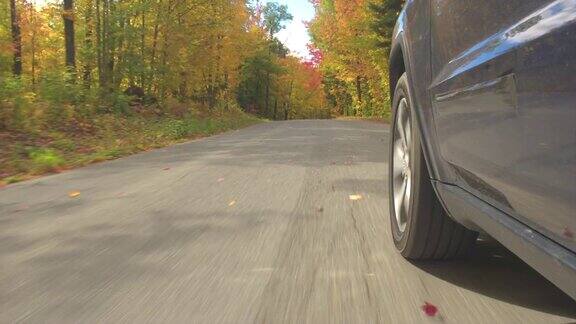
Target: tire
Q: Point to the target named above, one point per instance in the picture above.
(421, 229)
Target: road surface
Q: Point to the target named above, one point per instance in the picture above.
(252, 226)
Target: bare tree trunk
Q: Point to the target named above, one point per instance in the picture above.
(104, 38)
(33, 44)
(68, 16)
(154, 47)
(267, 109)
(16, 38)
(143, 48)
(99, 44)
(111, 44)
(359, 88)
(88, 43)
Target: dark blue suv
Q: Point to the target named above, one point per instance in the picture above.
(484, 130)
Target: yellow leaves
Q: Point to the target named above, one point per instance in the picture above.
(232, 203)
(74, 194)
(355, 197)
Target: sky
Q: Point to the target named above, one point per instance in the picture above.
(295, 36)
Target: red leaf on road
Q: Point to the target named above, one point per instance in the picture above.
(568, 233)
(429, 309)
(166, 169)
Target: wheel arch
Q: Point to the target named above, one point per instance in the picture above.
(398, 65)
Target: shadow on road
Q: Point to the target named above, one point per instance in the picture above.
(495, 272)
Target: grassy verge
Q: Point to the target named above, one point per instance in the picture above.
(24, 156)
(385, 120)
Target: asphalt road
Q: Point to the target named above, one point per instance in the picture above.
(252, 226)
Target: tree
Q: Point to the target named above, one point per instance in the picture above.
(68, 16)
(274, 17)
(385, 13)
(353, 39)
(16, 38)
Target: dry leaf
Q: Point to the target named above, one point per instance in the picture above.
(166, 169)
(232, 203)
(74, 194)
(220, 179)
(355, 197)
(429, 309)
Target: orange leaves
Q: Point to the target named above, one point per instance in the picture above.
(74, 194)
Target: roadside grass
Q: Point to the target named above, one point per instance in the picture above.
(24, 155)
(385, 119)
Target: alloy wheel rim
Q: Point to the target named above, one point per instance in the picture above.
(401, 168)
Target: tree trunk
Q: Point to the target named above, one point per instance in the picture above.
(111, 46)
(267, 109)
(16, 39)
(33, 45)
(99, 45)
(154, 47)
(359, 88)
(89, 48)
(143, 48)
(69, 34)
(104, 50)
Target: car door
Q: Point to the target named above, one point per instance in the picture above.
(504, 101)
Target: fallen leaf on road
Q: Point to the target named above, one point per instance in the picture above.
(220, 180)
(355, 197)
(166, 169)
(21, 208)
(429, 309)
(232, 203)
(320, 209)
(74, 194)
(568, 233)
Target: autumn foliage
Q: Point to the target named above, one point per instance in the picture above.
(351, 46)
(212, 54)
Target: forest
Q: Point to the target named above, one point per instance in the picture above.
(90, 80)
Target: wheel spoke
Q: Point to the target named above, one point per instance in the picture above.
(401, 173)
(400, 124)
(398, 200)
(407, 194)
(408, 133)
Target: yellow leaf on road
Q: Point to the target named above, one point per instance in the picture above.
(355, 197)
(74, 194)
(232, 203)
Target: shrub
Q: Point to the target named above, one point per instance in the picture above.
(15, 103)
(45, 160)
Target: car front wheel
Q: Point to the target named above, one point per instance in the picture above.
(421, 229)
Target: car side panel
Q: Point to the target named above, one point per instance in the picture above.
(503, 95)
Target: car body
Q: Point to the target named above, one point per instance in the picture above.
(493, 86)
